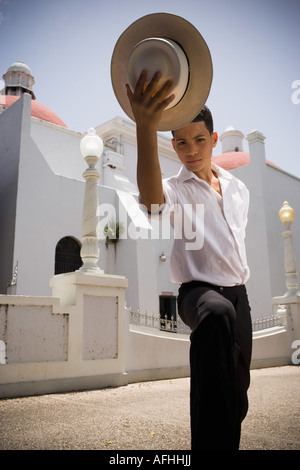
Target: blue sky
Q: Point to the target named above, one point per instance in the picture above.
(255, 48)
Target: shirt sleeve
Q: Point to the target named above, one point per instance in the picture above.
(170, 200)
(246, 200)
(169, 192)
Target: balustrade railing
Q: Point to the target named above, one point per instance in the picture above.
(174, 325)
(266, 322)
(171, 325)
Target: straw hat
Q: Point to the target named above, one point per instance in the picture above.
(173, 46)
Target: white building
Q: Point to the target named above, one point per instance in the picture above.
(41, 200)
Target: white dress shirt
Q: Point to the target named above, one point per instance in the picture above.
(217, 253)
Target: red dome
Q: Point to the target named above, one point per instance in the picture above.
(231, 160)
(38, 110)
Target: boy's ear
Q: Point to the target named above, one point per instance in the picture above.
(173, 144)
(214, 139)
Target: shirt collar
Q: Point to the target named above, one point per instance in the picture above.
(185, 174)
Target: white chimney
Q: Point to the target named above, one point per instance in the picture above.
(232, 140)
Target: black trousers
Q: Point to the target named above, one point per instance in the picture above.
(220, 355)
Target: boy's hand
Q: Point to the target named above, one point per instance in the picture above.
(148, 101)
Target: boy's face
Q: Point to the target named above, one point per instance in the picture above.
(194, 144)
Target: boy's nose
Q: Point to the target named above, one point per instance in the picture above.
(192, 149)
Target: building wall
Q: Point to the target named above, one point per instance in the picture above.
(283, 187)
(47, 210)
(60, 148)
(266, 253)
(10, 133)
(47, 206)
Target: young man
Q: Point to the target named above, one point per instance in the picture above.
(212, 298)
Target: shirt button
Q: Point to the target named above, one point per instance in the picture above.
(221, 289)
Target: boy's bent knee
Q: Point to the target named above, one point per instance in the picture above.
(217, 308)
(198, 306)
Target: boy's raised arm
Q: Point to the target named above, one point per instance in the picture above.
(147, 105)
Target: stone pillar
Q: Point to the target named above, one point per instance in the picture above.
(91, 147)
(258, 251)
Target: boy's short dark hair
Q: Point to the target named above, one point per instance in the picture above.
(205, 116)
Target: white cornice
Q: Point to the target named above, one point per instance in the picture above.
(255, 136)
(125, 129)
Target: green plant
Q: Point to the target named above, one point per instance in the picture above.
(112, 231)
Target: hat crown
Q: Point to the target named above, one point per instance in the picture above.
(163, 55)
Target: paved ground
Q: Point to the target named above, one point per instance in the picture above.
(150, 415)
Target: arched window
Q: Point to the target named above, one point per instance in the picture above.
(67, 255)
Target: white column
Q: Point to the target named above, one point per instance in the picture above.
(259, 284)
(91, 147)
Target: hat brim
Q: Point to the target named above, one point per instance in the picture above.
(166, 25)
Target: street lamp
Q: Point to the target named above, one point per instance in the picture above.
(91, 147)
(286, 215)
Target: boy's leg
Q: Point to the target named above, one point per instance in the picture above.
(219, 375)
(244, 349)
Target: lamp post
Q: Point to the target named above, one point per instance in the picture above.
(286, 215)
(91, 147)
